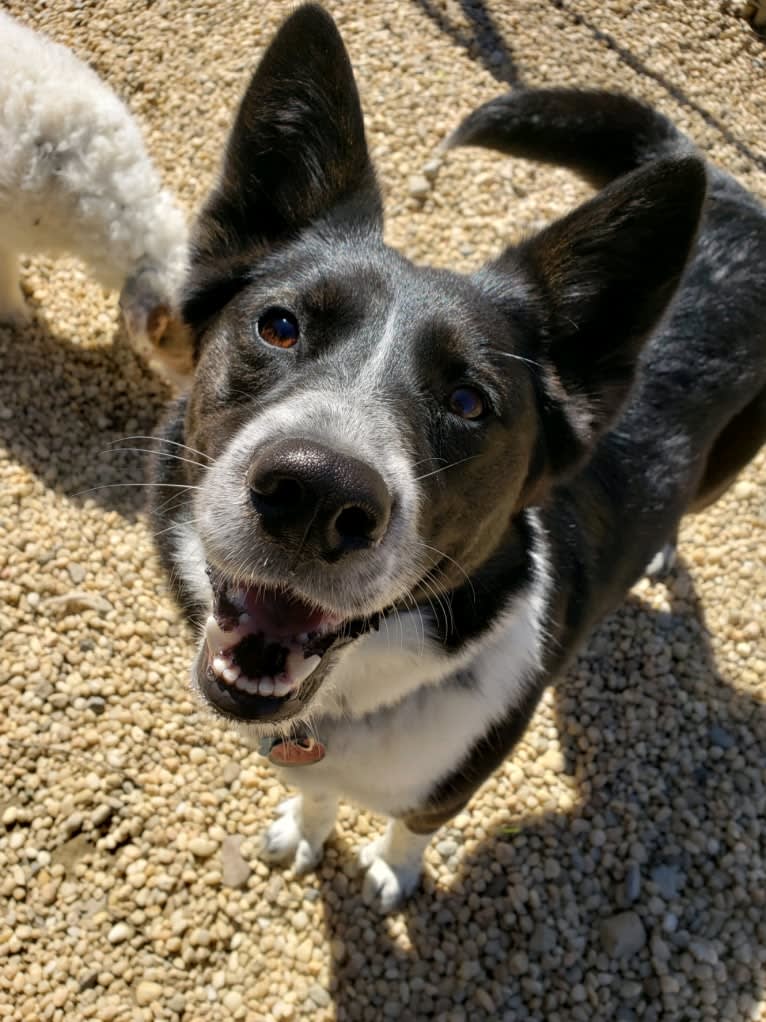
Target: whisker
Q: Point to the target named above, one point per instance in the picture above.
(431, 596)
(519, 358)
(442, 595)
(148, 450)
(431, 458)
(168, 506)
(112, 486)
(452, 560)
(415, 608)
(444, 468)
(174, 525)
(236, 392)
(161, 440)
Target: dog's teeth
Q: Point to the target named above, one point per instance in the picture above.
(215, 636)
(219, 640)
(310, 664)
(298, 668)
(232, 673)
(282, 686)
(249, 685)
(266, 687)
(220, 664)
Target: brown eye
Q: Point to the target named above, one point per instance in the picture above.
(278, 327)
(466, 402)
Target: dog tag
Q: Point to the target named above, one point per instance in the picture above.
(297, 752)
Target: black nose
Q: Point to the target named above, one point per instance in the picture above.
(309, 495)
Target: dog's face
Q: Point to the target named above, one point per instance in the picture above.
(369, 446)
(372, 428)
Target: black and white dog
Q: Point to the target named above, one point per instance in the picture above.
(405, 496)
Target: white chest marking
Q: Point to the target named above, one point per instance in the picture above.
(410, 716)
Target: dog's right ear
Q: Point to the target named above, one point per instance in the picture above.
(596, 284)
(296, 154)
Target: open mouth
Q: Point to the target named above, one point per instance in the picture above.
(264, 647)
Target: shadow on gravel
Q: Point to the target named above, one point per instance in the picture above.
(686, 808)
(62, 406)
(480, 37)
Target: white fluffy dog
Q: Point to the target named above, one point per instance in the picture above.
(75, 177)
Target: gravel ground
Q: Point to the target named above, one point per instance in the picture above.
(614, 868)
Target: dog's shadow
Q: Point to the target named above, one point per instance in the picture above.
(668, 830)
(66, 409)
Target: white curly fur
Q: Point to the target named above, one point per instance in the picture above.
(75, 177)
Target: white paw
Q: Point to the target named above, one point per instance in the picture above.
(386, 886)
(370, 852)
(662, 562)
(290, 806)
(285, 842)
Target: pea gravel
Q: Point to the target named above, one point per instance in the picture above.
(614, 868)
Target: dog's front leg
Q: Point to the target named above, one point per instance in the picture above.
(300, 830)
(393, 865)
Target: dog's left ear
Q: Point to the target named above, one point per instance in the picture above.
(598, 282)
(296, 154)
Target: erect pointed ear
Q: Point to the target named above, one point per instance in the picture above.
(600, 280)
(296, 153)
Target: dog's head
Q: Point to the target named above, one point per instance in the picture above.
(373, 428)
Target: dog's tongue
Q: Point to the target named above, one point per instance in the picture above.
(275, 613)
(280, 614)
(264, 642)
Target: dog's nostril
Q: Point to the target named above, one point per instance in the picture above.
(355, 526)
(280, 493)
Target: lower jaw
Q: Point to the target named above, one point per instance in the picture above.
(236, 705)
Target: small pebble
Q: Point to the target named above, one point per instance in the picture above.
(77, 573)
(622, 935)
(419, 186)
(432, 168)
(721, 738)
(202, 847)
(543, 939)
(446, 848)
(232, 1000)
(119, 933)
(148, 993)
(668, 879)
(632, 883)
(235, 871)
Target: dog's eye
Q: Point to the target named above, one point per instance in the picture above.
(278, 327)
(466, 402)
